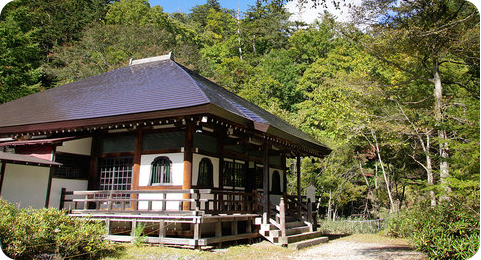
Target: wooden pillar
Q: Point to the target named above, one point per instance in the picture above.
(266, 209)
(162, 231)
(137, 157)
(218, 230)
(197, 234)
(50, 175)
(93, 180)
(284, 174)
(221, 135)
(298, 172)
(188, 144)
(2, 175)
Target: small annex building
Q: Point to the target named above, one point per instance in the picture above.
(155, 142)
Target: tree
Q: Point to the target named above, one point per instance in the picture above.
(423, 39)
(20, 72)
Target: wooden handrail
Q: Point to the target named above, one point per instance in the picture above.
(105, 200)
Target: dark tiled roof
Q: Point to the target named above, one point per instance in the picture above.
(141, 88)
(25, 159)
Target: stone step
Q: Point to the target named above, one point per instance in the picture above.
(309, 242)
(294, 224)
(290, 231)
(303, 236)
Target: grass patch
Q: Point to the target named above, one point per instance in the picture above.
(375, 239)
(262, 250)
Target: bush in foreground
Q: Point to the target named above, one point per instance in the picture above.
(33, 233)
(448, 231)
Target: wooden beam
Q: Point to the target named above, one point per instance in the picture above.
(266, 209)
(188, 156)
(2, 175)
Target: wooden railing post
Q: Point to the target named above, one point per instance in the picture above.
(309, 210)
(109, 202)
(86, 202)
(62, 198)
(282, 213)
(197, 201)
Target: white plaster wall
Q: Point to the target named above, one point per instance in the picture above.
(157, 205)
(195, 168)
(177, 167)
(78, 146)
(69, 184)
(25, 185)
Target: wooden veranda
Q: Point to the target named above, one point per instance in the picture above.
(209, 217)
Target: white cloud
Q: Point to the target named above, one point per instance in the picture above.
(308, 13)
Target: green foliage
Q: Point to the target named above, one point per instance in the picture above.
(448, 231)
(29, 233)
(350, 226)
(138, 235)
(20, 71)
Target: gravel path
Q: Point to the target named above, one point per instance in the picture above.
(351, 248)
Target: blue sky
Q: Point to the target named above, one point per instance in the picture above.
(185, 5)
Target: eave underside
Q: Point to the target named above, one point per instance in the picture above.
(262, 133)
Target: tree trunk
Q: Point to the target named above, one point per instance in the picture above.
(369, 189)
(239, 33)
(329, 208)
(386, 179)
(429, 169)
(443, 144)
(376, 188)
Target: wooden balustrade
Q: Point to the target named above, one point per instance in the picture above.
(202, 201)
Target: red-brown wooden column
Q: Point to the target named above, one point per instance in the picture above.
(189, 143)
(137, 157)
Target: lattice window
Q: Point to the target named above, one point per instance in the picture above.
(228, 173)
(74, 166)
(160, 172)
(239, 175)
(234, 174)
(115, 173)
(206, 173)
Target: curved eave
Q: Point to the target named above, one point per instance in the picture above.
(307, 147)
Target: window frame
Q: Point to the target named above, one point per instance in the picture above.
(210, 173)
(162, 177)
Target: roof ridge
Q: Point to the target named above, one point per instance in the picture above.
(184, 70)
(169, 56)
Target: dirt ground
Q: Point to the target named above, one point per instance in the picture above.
(356, 247)
(360, 247)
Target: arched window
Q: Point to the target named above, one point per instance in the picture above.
(276, 182)
(160, 171)
(206, 173)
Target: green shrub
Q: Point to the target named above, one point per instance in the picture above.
(30, 233)
(138, 235)
(448, 231)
